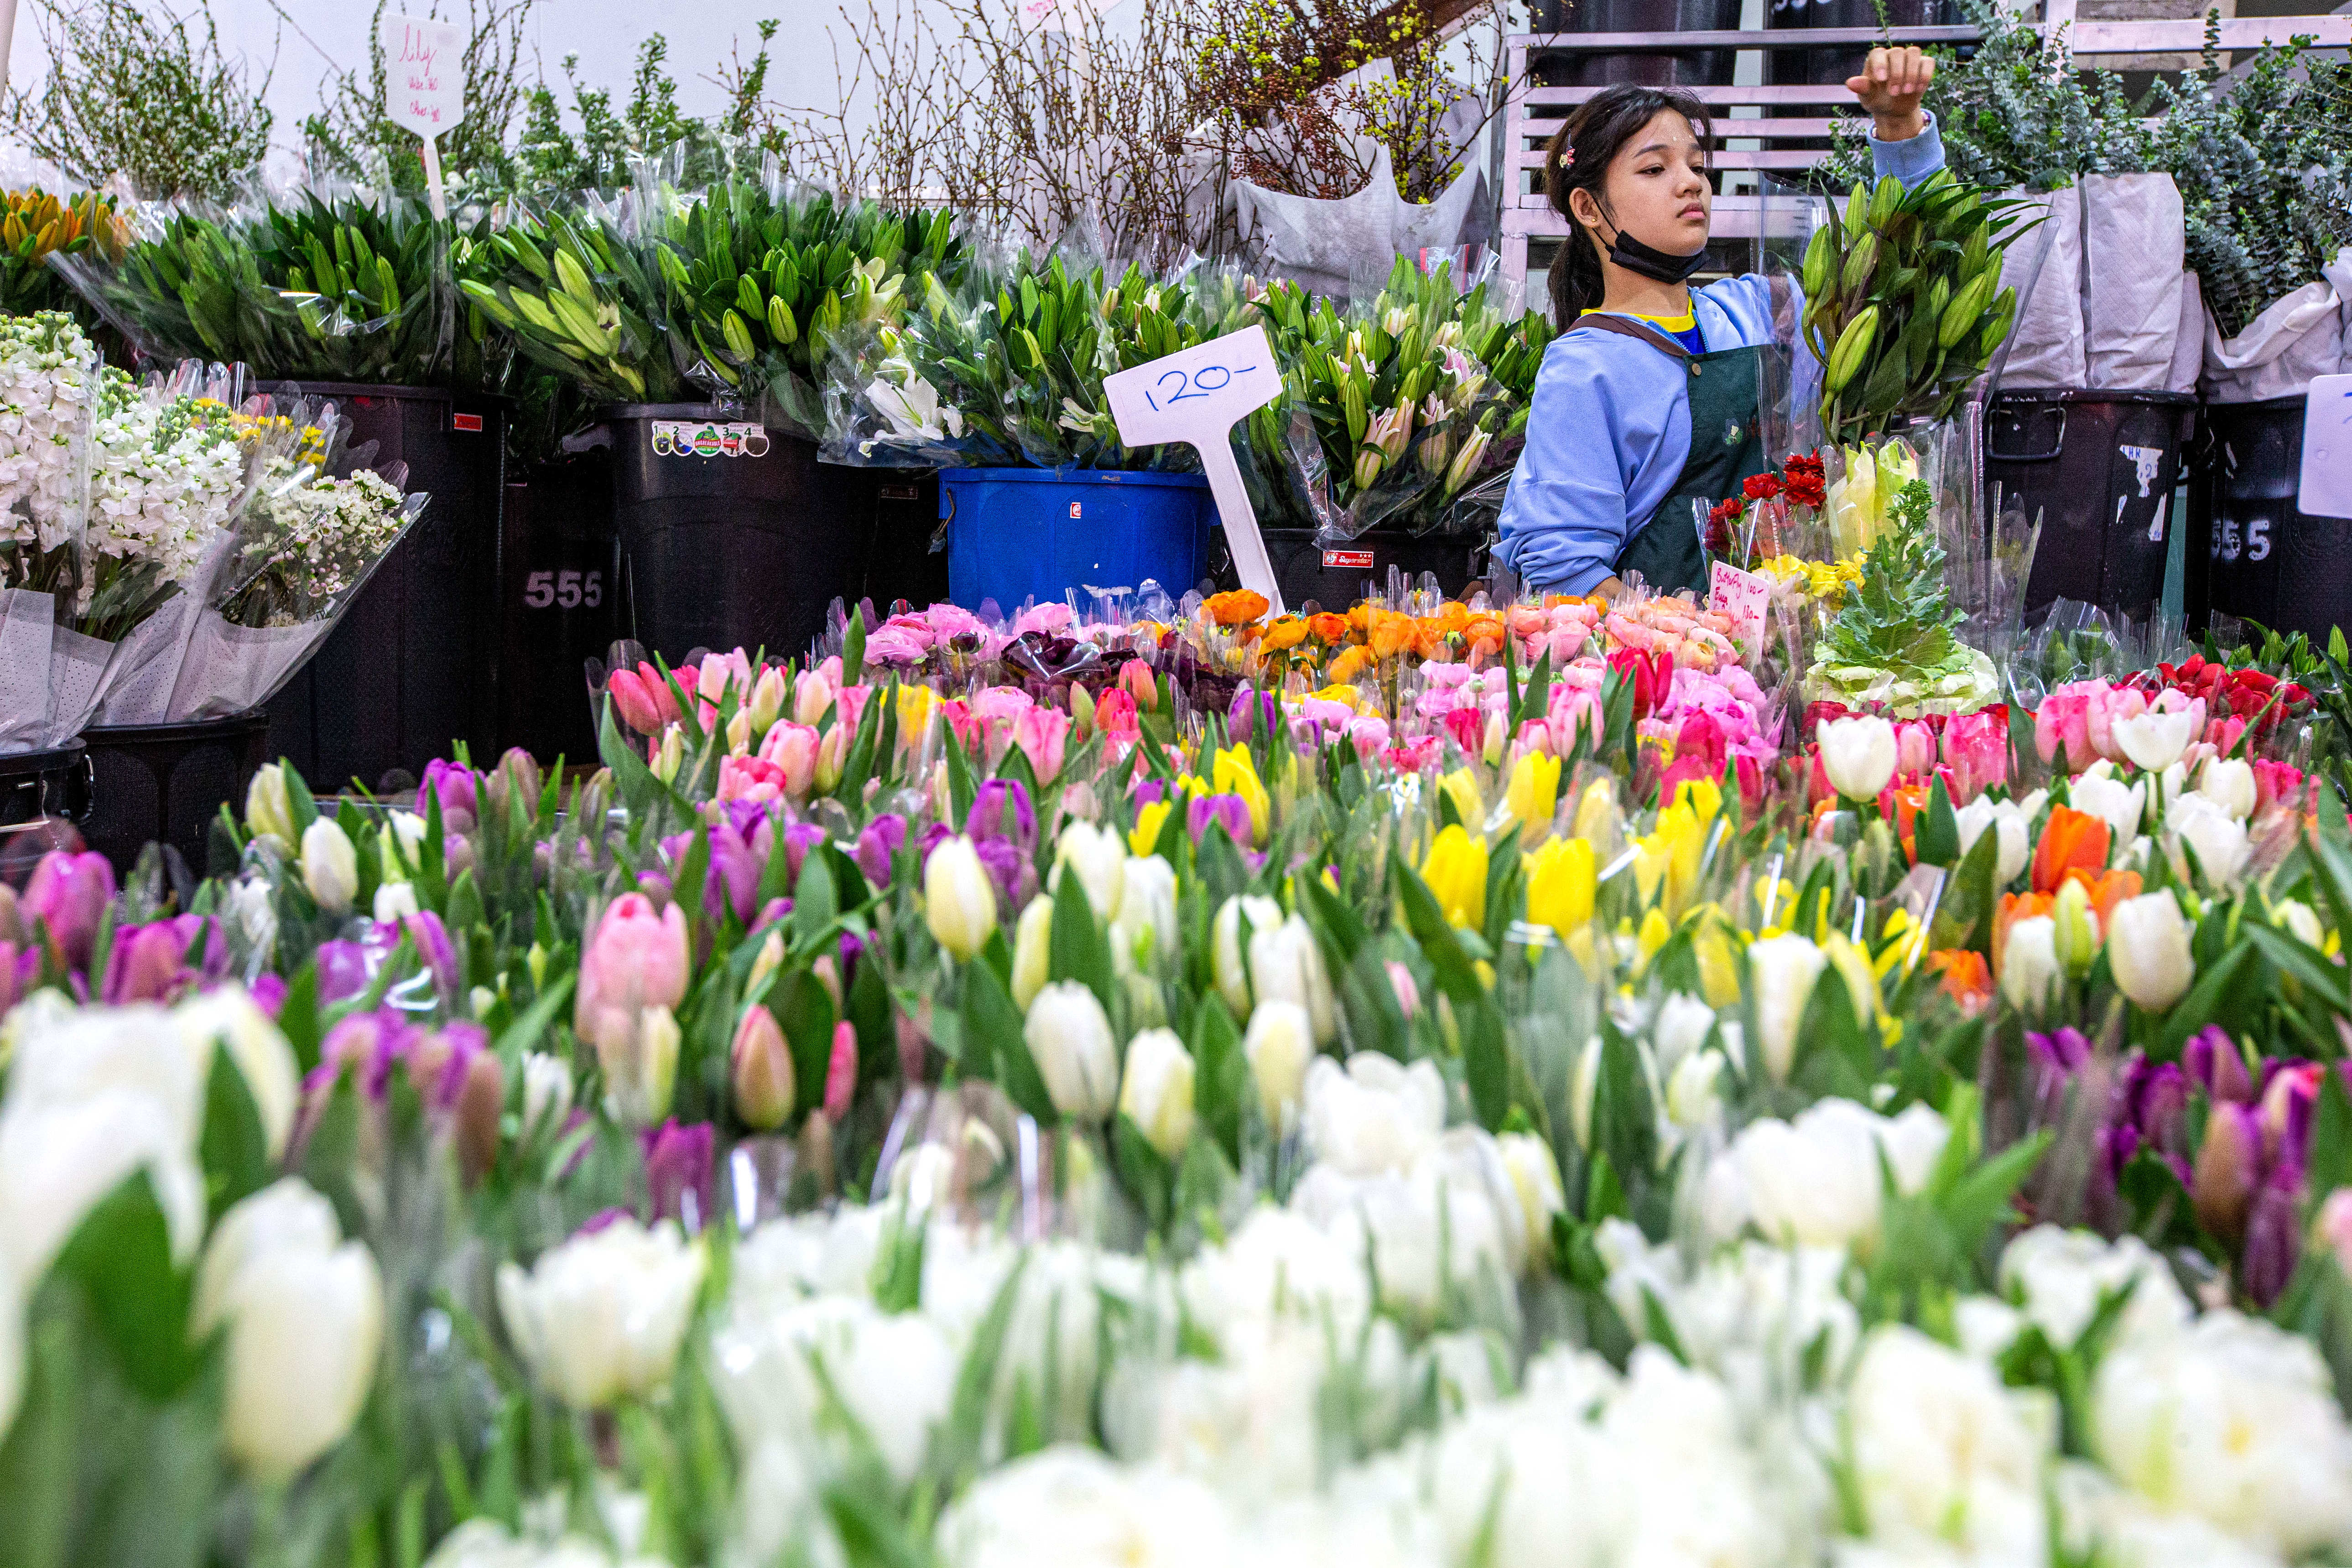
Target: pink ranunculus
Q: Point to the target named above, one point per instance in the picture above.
(1041, 734)
(792, 748)
(1116, 717)
(1050, 617)
(1446, 677)
(67, 894)
(915, 627)
(895, 647)
(1368, 734)
(950, 622)
(636, 959)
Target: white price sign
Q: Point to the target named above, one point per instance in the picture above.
(425, 86)
(2327, 487)
(1197, 396)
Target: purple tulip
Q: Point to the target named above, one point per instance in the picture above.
(1148, 791)
(1002, 811)
(2274, 1236)
(19, 967)
(678, 1172)
(2054, 1059)
(1014, 874)
(1231, 810)
(455, 784)
(346, 969)
(800, 839)
(2229, 1168)
(1249, 708)
(2213, 1059)
(268, 993)
(431, 939)
(149, 963)
(878, 846)
(67, 894)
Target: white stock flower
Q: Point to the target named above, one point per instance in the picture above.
(600, 1317)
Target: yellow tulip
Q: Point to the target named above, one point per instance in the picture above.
(1596, 812)
(915, 706)
(1535, 788)
(1144, 837)
(1654, 934)
(1703, 796)
(1853, 966)
(1235, 774)
(1560, 885)
(1718, 977)
(1461, 787)
(1455, 871)
(1667, 869)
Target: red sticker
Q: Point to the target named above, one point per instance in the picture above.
(1345, 559)
(1073, 509)
(472, 422)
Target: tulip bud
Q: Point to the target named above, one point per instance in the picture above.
(1535, 1182)
(670, 754)
(1534, 789)
(1279, 1044)
(1225, 956)
(2296, 918)
(331, 867)
(395, 901)
(1694, 1095)
(2211, 1058)
(2077, 933)
(1135, 677)
(739, 733)
(767, 700)
(269, 808)
(603, 1315)
(546, 1093)
(475, 1114)
(2029, 966)
(1408, 995)
(640, 1069)
(765, 962)
(1069, 1037)
(2331, 1229)
(959, 897)
(1287, 965)
(1858, 755)
(1157, 1094)
(840, 1072)
(1082, 711)
(831, 752)
(516, 781)
(1583, 1091)
(1098, 857)
(761, 1064)
(2147, 948)
(2229, 782)
(1032, 950)
(1782, 971)
(67, 896)
(2229, 1165)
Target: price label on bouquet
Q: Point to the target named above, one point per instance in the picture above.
(1743, 596)
(425, 86)
(1196, 396)
(2326, 480)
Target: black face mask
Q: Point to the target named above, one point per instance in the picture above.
(1650, 262)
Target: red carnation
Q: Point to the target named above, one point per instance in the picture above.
(1762, 487)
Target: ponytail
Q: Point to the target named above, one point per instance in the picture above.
(1578, 157)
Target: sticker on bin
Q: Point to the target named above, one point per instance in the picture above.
(467, 421)
(2326, 487)
(708, 438)
(1347, 561)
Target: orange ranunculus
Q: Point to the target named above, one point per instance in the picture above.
(1234, 609)
(1453, 617)
(2106, 889)
(1350, 663)
(1327, 627)
(1361, 614)
(2014, 907)
(2069, 838)
(1287, 633)
(1392, 635)
(1967, 980)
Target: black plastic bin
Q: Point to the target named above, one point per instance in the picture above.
(165, 783)
(902, 564)
(412, 667)
(50, 784)
(2100, 467)
(559, 603)
(1687, 67)
(729, 536)
(1338, 578)
(2252, 552)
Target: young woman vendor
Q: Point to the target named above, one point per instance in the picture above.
(1647, 401)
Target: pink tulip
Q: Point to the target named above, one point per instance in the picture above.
(840, 1072)
(850, 706)
(720, 672)
(1915, 748)
(1467, 728)
(2065, 719)
(636, 960)
(792, 748)
(1135, 679)
(813, 693)
(1041, 734)
(67, 894)
(1976, 753)
(1408, 995)
(634, 702)
(2331, 1227)
(750, 778)
(2276, 782)
(1115, 714)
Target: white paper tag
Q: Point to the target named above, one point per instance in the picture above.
(1743, 596)
(1196, 396)
(424, 86)
(708, 438)
(2327, 487)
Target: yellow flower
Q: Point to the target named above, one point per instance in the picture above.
(1775, 901)
(1347, 694)
(1535, 788)
(1461, 787)
(1853, 966)
(1703, 796)
(1667, 868)
(1718, 978)
(1560, 885)
(1145, 836)
(915, 706)
(1596, 812)
(1235, 774)
(1654, 934)
(1455, 871)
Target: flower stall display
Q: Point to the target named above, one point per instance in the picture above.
(52, 675)
(35, 224)
(1892, 640)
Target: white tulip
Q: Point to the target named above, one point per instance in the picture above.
(546, 1093)
(304, 1313)
(2013, 840)
(1098, 855)
(1226, 946)
(1818, 1181)
(2103, 795)
(269, 807)
(1032, 950)
(1069, 1035)
(1683, 1024)
(600, 1317)
(1072, 1505)
(1694, 1093)
(1279, 1044)
(2061, 1277)
(1943, 1454)
(1145, 925)
(2154, 740)
(1375, 1115)
(2228, 783)
(228, 1016)
(1783, 970)
(959, 897)
(2218, 838)
(1858, 755)
(1156, 1093)
(2030, 970)
(782, 1370)
(1286, 965)
(2297, 919)
(2147, 950)
(331, 867)
(1535, 1182)
(395, 901)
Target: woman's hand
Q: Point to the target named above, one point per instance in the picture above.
(1890, 86)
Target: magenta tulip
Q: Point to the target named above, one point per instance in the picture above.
(636, 960)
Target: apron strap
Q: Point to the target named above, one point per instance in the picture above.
(1632, 329)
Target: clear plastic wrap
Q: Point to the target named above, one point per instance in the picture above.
(52, 675)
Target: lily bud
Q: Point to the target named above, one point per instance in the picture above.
(760, 1065)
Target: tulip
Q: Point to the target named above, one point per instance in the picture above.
(2297, 918)
(1145, 925)
(1455, 870)
(1249, 709)
(2074, 929)
(2212, 1058)
(149, 963)
(1534, 789)
(1116, 715)
(1287, 965)
(813, 693)
(1278, 1045)
(1069, 1037)
(1032, 950)
(269, 808)
(330, 866)
(1041, 734)
(2105, 796)
(2071, 840)
(878, 848)
(767, 702)
(1915, 748)
(1534, 1183)
(640, 701)
(670, 756)
(1235, 774)
(959, 897)
(832, 753)
(1002, 812)
(304, 1315)
(68, 894)
(678, 1178)
(1408, 994)
(2012, 836)
(2155, 740)
(1099, 859)
(2147, 948)
(2030, 966)
(1783, 970)
(792, 748)
(546, 1093)
(395, 901)
(841, 1072)
(761, 1070)
(2218, 839)
(600, 1317)
(1156, 1093)
(2331, 1232)
(1226, 954)
(2274, 1238)
(2228, 1166)
(227, 1018)
(1561, 884)
(1230, 812)
(636, 959)
(1858, 755)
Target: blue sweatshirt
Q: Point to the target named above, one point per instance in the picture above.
(1609, 429)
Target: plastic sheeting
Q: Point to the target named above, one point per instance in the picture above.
(2297, 338)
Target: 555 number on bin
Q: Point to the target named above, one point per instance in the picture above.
(563, 589)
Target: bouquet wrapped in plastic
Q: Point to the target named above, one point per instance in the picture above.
(52, 675)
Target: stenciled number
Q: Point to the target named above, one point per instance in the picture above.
(563, 589)
(567, 590)
(539, 592)
(2258, 538)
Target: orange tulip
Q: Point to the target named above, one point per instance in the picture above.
(2014, 907)
(1968, 980)
(2069, 840)
(2106, 889)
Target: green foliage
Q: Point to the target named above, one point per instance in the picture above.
(1900, 617)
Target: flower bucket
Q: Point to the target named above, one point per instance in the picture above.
(412, 665)
(1018, 534)
(560, 603)
(2099, 467)
(51, 783)
(2252, 553)
(1337, 577)
(165, 783)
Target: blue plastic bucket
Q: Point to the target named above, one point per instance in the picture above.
(1015, 534)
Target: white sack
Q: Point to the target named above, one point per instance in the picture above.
(2188, 344)
(2045, 267)
(2133, 235)
(1330, 246)
(2297, 338)
(28, 627)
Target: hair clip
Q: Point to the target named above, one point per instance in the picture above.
(1566, 157)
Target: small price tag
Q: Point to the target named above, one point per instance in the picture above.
(424, 86)
(1744, 596)
(2327, 481)
(1196, 396)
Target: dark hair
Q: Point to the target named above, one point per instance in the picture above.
(1578, 158)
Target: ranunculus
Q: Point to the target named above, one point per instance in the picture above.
(1157, 1092)
(2147, 948)
(1782, 970)
(1068, 1036)
(600, 1317)
(959, 897)
(1859, 756)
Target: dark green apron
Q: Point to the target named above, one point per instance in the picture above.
(1726, 447)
